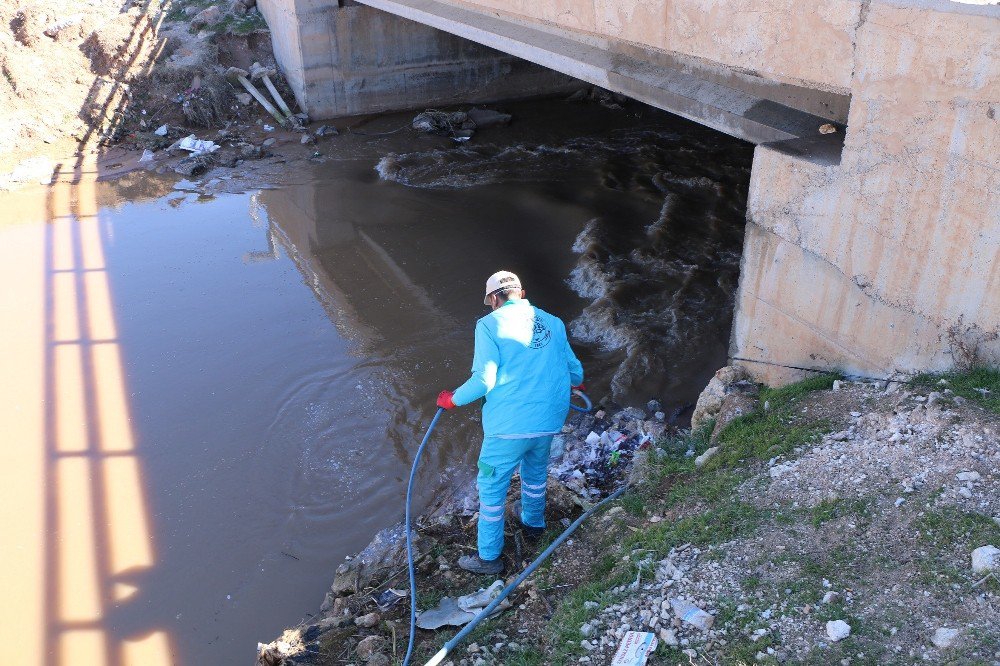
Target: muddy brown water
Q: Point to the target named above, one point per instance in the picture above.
(213, 390)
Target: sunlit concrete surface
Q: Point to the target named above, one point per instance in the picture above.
(77, 537)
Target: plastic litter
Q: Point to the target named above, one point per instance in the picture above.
(268, 128)
(147, 156)
(389, 598)
(197, 146)
(558, 447)
(691, 614)
(635, 648)
(161, 130)
(461, 611)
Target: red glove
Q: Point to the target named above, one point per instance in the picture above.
(445, 401)
(579, 387)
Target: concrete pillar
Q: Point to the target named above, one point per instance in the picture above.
(886, 258)
(343, 59)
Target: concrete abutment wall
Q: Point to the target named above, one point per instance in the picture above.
(888, 258)
(343, 59)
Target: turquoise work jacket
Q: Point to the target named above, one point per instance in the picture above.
(524, 367)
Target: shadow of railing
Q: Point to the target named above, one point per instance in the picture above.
(98, 542)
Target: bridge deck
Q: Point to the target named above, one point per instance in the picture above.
(742, 105)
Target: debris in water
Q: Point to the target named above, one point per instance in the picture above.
(442, 122)
(485, 118)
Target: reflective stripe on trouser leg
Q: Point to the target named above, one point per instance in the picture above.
(534, 476)
(497, 461)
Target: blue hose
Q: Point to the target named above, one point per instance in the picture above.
(409, 536)
(483, 614)
(586, 401)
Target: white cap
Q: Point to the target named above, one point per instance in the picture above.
(500, 280)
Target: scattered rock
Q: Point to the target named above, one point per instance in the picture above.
(944, 637)
(367, 621)
(194, 164)
(968, 476)
(838, 630)
(741, 401)
(710, 401)
(206, 17)
(668, 636)
(326, 130)
(369, 646)
(386, 551)
(831, 598)
(248, 151)
(986, 559)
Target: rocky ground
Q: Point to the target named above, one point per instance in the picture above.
(89, 81)
(830, 521)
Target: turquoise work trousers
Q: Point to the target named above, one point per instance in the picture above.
(497, 461)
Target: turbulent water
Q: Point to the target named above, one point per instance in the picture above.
(659, 283)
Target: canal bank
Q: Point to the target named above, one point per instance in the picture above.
(130, 335)
(237, 367)
(753, 519)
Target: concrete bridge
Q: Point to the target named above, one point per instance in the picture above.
(871, 249)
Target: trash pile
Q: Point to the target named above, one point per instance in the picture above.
(591, 455)
(459, 125)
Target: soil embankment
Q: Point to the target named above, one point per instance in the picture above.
(85, 83)
(828, 521)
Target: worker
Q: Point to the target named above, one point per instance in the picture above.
(524, 367)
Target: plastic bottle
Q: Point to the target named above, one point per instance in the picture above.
(691, 614)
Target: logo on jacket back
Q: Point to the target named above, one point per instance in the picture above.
(540, 334)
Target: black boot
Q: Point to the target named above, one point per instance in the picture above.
(476, 565)
(530, 532)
